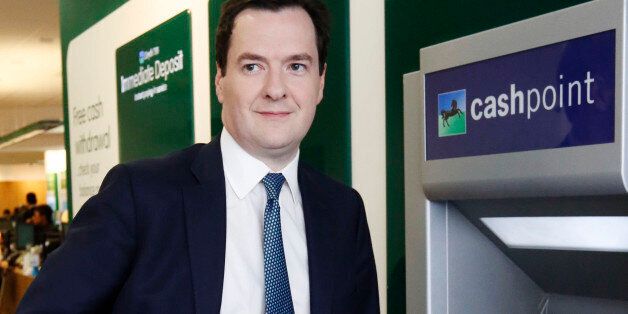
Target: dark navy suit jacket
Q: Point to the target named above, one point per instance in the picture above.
(153, 241)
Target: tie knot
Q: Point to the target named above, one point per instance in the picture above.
(272, 183)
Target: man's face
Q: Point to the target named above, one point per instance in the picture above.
(272, 83)
(38, 219)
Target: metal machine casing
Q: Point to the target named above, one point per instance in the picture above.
(580, 170)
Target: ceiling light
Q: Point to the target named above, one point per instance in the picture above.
(579, 233)
(27, 132)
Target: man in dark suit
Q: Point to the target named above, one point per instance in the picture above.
(238, 225)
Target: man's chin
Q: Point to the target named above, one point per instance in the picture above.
(279, 146)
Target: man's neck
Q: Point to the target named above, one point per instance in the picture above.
(276, 163)
(276, 159)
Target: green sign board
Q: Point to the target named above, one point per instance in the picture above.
(155, 101)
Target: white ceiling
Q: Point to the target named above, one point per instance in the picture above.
(30, 75)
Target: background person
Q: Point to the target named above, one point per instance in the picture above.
(45, 231)
(26, 211)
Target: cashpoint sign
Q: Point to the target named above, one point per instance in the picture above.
(554, 96)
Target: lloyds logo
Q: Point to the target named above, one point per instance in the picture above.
(452, 113)
(145, 55)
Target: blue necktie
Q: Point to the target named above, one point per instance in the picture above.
(278, 297)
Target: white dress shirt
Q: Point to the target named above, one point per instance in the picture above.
(243, 288)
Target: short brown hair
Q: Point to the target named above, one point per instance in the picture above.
(230, 9)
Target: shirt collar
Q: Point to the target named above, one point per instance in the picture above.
(244, 171)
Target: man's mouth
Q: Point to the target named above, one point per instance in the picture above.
(274, 114)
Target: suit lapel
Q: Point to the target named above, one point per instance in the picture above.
(319, 231)
(205, 214)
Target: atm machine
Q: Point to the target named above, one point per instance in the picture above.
(516, 168)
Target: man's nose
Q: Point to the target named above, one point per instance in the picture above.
(275, 88)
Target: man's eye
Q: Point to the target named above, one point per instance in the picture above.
(297, 67)
(251, 68)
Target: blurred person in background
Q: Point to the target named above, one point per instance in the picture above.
(26, 211)
(45, 231)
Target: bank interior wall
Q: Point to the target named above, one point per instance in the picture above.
(13, 193)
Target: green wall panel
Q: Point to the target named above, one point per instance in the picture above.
(156, 115)
(327, 146)
(411, 25)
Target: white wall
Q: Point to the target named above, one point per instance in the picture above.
(22, 172)
(368, 122)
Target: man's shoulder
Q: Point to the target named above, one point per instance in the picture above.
(174, 167)
(323, 183)
(181, 157)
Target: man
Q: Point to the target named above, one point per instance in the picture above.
(26, 211)
(42, 222)
(45, 232)
(235, 226)
(42, 216)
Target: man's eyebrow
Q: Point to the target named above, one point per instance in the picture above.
(256, 57)
(251, 56)
(300, 57)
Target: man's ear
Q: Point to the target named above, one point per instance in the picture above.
(321, 86)
(218, 83)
